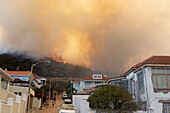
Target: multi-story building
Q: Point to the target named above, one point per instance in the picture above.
(149, 82)
(9, 102)
(20, 85)
(89, 82)
(118, 81)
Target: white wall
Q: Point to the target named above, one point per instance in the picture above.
(85, 97)
(154, 97)
(150, 97)
(80, 105)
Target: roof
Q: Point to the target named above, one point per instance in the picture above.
(87, 92)
(150, 60)
(77, 80)
(154, 60)
(6, 74)
(22, 73)
(90, 90)
(113, 79)
(90, 77)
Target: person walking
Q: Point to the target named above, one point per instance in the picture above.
(53, 102)
(54, 98)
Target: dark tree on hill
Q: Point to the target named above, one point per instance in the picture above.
(112, 99)
(23, 62)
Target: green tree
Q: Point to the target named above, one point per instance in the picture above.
(111, 98)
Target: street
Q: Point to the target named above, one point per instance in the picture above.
(52, 109)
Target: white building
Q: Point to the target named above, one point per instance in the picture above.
(9, 102)
(149, 82)
(89, 82)
(20, 86)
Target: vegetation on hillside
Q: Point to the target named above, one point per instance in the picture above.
(22, 62)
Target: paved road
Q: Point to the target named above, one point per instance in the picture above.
(52, 109)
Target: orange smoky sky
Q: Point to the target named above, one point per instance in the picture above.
(107, 35)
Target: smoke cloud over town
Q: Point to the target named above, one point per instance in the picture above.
(107, 35)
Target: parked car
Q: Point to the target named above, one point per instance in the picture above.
(64, 96)
(67, 101)
(66, 107)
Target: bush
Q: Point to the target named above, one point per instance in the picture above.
(112, 98)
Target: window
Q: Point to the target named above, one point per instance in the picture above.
(162, 81)
(99, 77)
(161, 78)
(18, 93)
(43, 81)
(4, 83)
(140, 81)
(166, 107)
(131, 90)
(94, 77)
(87, 84)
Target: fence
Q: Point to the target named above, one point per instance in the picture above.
(13, 105)
(81, 105)
(36, 103)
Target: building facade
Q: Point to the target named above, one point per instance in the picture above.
(89, 82)
(9, 102)
(149, 83)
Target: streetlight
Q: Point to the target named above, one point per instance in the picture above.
(30, 80)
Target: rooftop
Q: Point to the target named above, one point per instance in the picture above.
(12, 73)
(154, 60)
(90, 90)
(165, 60)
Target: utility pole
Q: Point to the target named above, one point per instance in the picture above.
(71, 89)
(50, 91)
(30, 82)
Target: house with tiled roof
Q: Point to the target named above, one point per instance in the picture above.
(9, 102)
(20, 85)
(89, 82)
(149, 83)
(24, 76)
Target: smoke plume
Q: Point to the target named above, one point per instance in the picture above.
(108, 35)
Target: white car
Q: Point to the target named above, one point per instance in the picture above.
(64, 96)
(67, 107)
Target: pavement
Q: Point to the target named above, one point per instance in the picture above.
(50, 108)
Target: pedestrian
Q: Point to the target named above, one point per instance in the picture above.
(53, 102)
(54, 98)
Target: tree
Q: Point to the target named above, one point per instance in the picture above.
(112, 98)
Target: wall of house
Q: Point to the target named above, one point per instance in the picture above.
(155, 97)
(83, 85)
(146, 98)
(3, 94)
(5, 108)
(23, 106)
(81, 105)
(36, 103)
(15, 107)
(76, 85)
(24, 90)
(84, 97)
(133, 88)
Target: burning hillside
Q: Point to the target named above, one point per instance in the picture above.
(57, 59)
(20, 62)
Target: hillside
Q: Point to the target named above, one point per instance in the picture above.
(21, 62)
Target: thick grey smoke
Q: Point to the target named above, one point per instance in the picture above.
(108, 35)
